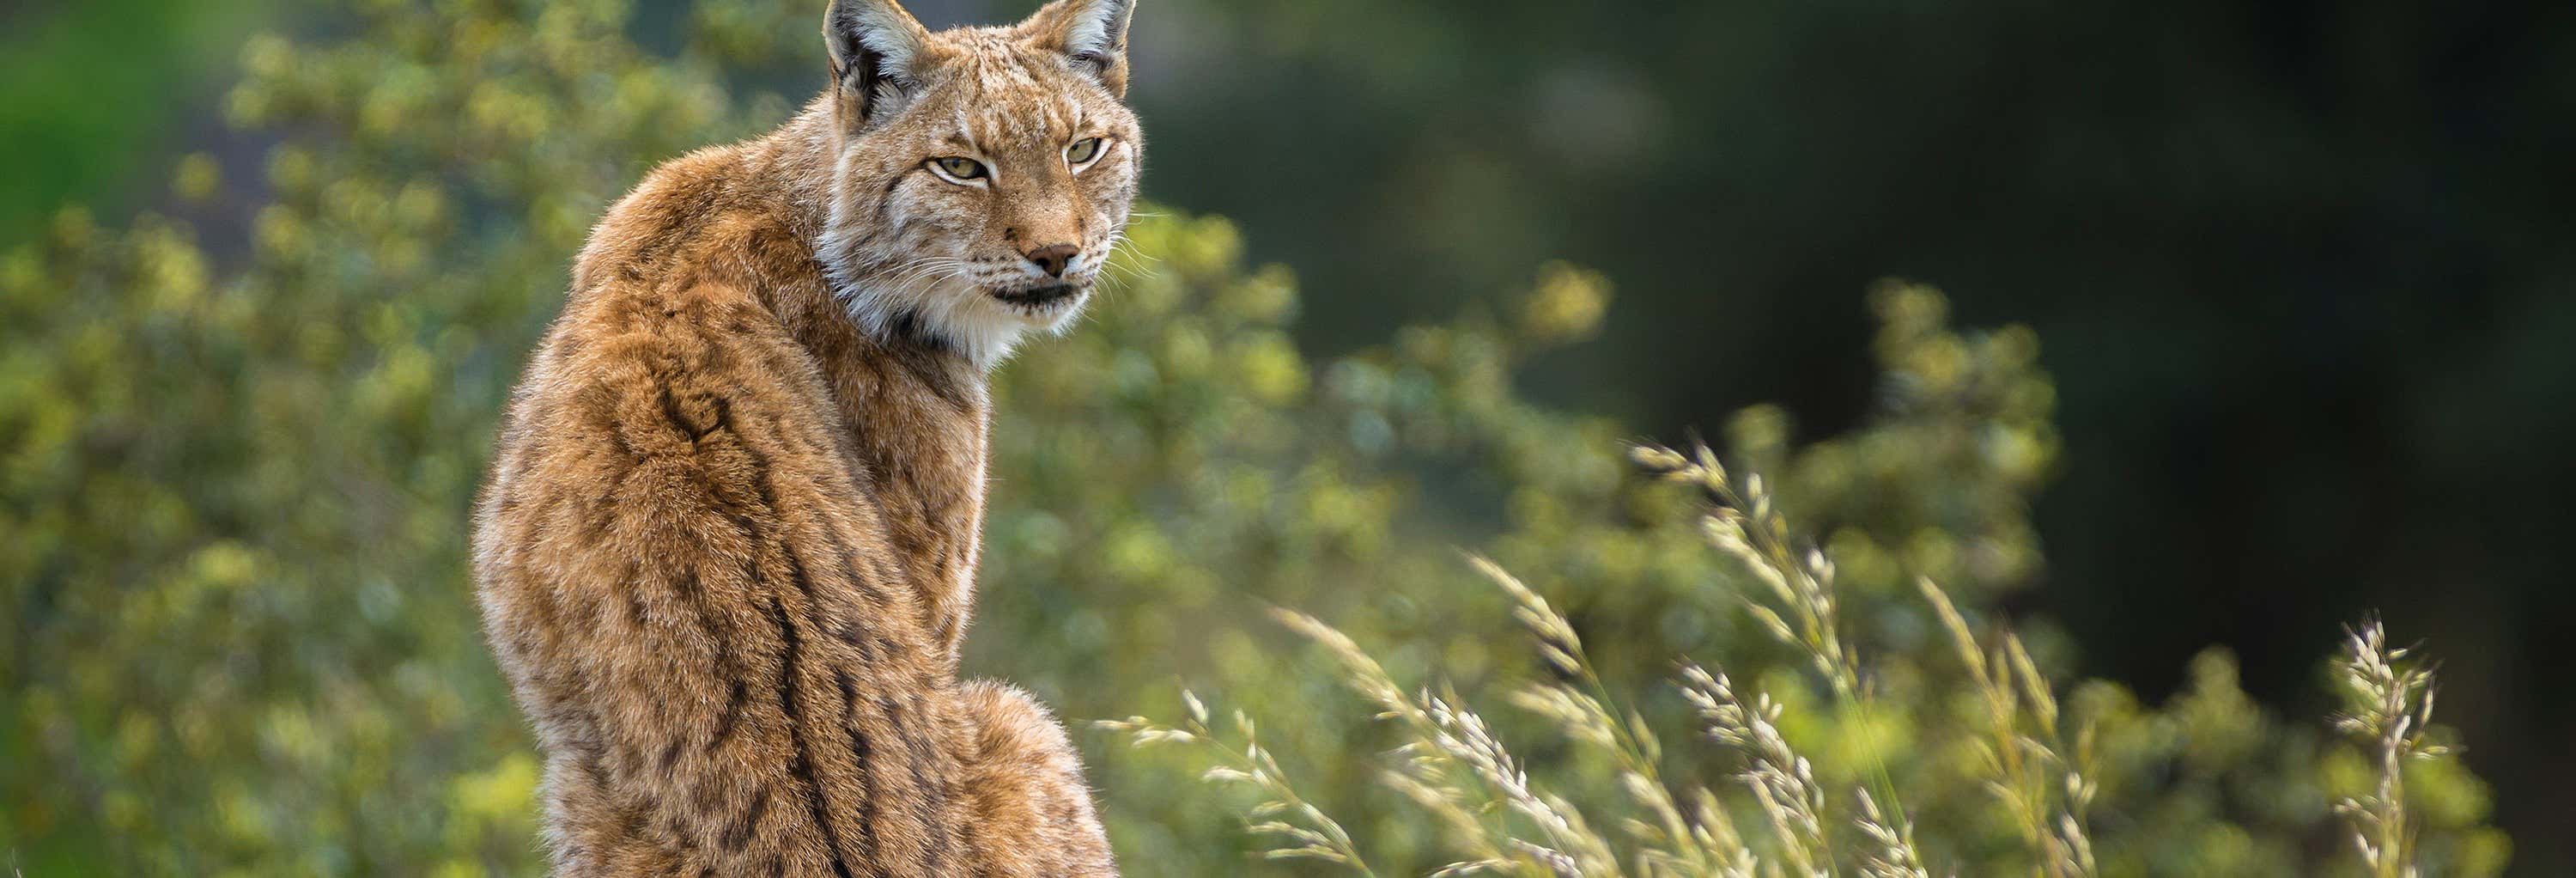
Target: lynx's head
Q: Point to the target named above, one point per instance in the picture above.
(981, 175)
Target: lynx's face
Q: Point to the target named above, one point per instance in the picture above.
(983, 175)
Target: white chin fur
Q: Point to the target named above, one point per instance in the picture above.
(966, 319)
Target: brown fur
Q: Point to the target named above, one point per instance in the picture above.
(727, 550)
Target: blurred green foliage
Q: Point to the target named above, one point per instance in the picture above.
(61, 59)
(233, 494)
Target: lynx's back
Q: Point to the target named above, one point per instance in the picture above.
(726, 553)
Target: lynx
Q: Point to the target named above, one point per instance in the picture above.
(727, 548)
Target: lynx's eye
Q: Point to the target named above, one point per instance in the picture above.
(1082, 151)
(958, 169)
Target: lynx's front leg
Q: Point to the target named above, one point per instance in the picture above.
(1024, 781)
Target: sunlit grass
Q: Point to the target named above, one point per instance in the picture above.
(1474, 796)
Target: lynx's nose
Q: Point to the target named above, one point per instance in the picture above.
(1053, 258)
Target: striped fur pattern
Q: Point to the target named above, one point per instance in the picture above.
(726, 552)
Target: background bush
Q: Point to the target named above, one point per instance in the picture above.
(236, 480)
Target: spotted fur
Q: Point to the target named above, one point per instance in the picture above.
(726, 552)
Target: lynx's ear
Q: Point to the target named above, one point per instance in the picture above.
(1093, 32)
(876, 56)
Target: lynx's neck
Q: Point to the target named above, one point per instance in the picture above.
(917, 413)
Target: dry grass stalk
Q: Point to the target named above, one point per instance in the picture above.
(1891, 853)
(2030, 772)
(1746, 525)
(1581, 704)
(1451, 741)
(1300, 830)
(2389, 702)
(1783, 783)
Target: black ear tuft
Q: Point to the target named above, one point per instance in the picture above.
(1092, 32)
(876, 51)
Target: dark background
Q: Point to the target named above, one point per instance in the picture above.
(2305, 271)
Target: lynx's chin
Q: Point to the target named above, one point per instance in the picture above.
(981, 323)
(1047, 309)
(1043, 298)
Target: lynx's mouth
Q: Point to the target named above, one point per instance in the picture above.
(1039, 297)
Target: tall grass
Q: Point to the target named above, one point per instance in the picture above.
(2389, 704)
(2030, 757)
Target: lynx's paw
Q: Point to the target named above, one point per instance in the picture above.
(1025, 781)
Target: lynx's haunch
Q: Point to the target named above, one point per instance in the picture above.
(726, 553)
